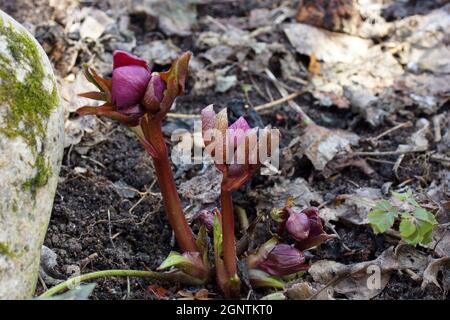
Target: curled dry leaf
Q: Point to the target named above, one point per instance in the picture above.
(354, 281)
(321, 145)
(159, 292)
(371, 79)
(431, 272)
(366, 280)
(355, 207)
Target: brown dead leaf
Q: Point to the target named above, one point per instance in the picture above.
(321, 145)
(314, 65)
(202, 294)
(356, 280)
(341, 162)
(328, 14)
(431, 272)
(159, 292)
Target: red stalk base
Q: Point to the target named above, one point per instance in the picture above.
(172, 203)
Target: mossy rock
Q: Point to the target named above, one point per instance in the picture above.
(31, 146)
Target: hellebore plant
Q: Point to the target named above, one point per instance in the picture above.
(224, 142)
(141, 99)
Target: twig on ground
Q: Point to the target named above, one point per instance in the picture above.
(279, 101)
(285, 98)
(182, 116)
(387, 153)
(284, 94)
(399, 126)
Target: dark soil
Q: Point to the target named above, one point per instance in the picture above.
(92, 219)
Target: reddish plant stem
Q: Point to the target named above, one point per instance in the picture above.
(228, 244)
(172, 203)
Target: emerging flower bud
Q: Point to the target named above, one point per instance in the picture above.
(283, 260)
(133, 90)
(128, 85)
(154, 93)
(232, 151)
(206, 218)
(316, 233)
(277, 259)
(297, 225)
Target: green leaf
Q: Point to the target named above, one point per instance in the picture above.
(427, 237)
(401, 196)
(380, 219)
(413, 202)
(217, 233)
(407, 227)
(259, 278)
(424, 215)
(173, 260)
(384, 205)
(406, 196)
(414, 230)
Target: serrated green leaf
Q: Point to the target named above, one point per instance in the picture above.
(400, 196)
(407, 227)
(424, 227)
(381, 220)
(414, 230)
(427, 237)
(384, 205)
(424, 215)
(413, 202)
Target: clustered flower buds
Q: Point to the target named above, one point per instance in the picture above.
(274, 259)
(235, 147)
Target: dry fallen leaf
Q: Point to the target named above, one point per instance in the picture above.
(431, 272)
(159, 292)
(321, 145)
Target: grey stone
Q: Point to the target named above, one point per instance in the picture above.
(31, 146)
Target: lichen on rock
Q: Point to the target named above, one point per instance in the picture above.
(30, 102)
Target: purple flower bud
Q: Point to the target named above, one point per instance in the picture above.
(237, 131)
(123, 58)
(315, 224)
(154, 93)
(316, 233)
(298, 225)
(206, 218)
(283, 260)
(128, 85)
